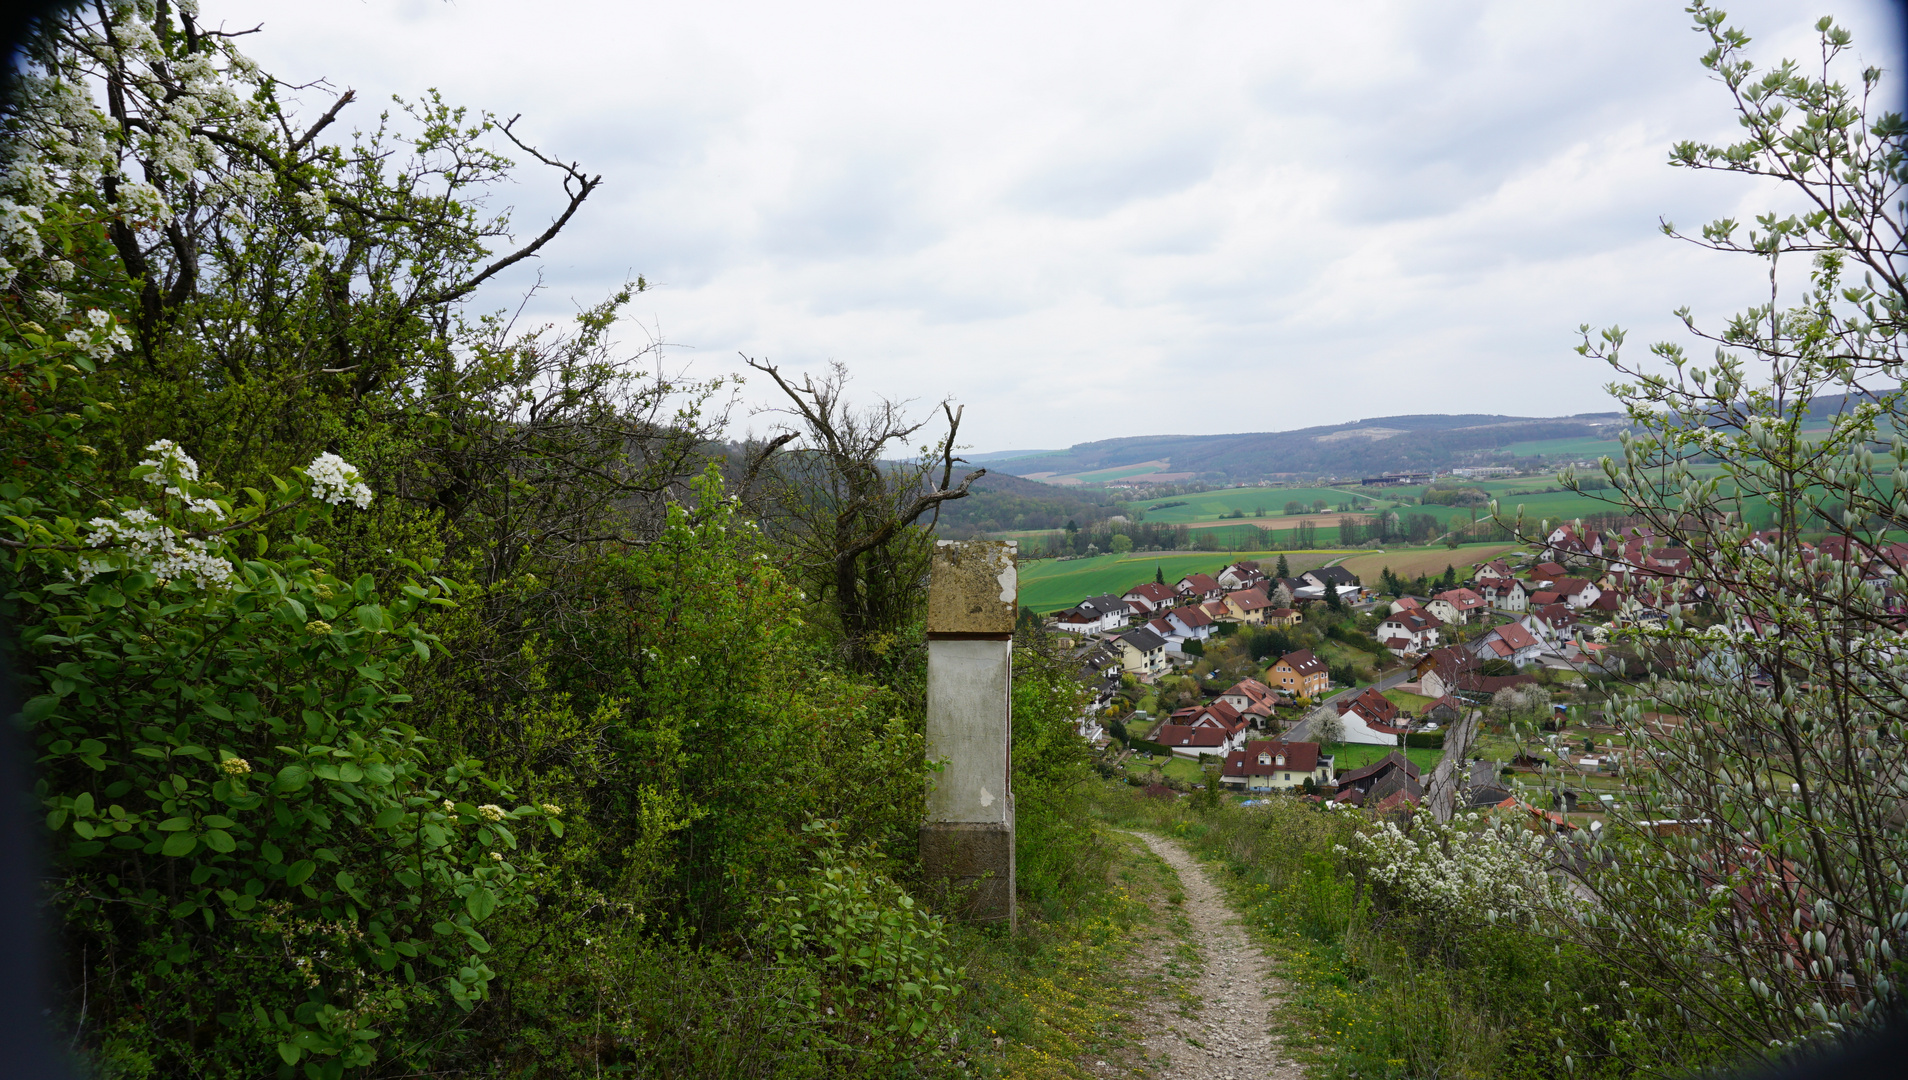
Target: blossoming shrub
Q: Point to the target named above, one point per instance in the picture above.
(261, 864)
(1459, 876)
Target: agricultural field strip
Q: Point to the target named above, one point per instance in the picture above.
(1054, 585)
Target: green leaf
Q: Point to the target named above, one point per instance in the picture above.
(292, 778)
(220, 841)
(363, 587)
(179, 844)
(388, 817)
(480, 903)
(300, 871)
(175, 824)
(103, 595)
(83, 804)
(290, 1053)
(346, 881)
(217, 821)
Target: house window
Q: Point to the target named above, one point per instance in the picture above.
(1288, 776)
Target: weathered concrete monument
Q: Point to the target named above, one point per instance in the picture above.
(967, 841)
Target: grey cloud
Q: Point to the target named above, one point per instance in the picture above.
(1054, 213)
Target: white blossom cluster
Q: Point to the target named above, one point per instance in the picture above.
(62, 143)
(145, 542)
(1462, 871)
(102, 338)
(335, 481)
(140, 539)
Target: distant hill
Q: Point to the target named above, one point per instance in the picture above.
(1000, 502)
(1003, 455)
(1367, 447)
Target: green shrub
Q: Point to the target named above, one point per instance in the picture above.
(885, 977)
(249, 832)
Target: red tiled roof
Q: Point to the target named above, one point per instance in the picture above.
(1302, 662)
(1152, 592)
(1372, 704)
(1193, 616)
(1462, 599)
(1299, 757)
(1248, 600)
(1397, 644)
(1200, 583)
(1181, 735)
(1253, 689)
(1515, 636)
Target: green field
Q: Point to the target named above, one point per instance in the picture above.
(1349, 756)
(1256, 502)
(1584, 449)
(1052, 585)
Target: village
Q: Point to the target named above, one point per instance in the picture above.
(1325, 687)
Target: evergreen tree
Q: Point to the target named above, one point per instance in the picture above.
(1159, 574)
(1285, 568)
(1331, 597)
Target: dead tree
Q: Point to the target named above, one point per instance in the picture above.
(827, 488)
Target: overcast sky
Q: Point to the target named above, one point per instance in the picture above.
(1086, 220)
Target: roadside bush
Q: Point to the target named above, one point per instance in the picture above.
(275, 866)
(884, 976)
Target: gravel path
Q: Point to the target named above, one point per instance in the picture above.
(1231, 1036)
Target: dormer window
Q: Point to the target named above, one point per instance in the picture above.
(1281, 761)
(1265, 759)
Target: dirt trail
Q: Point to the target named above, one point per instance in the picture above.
(1231, 1036)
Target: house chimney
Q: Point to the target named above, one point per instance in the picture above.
(967, 841)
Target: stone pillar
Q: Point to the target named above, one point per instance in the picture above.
(967, 841)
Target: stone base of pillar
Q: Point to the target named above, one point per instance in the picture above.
(969, 867)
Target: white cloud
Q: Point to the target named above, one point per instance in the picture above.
(1087, 220)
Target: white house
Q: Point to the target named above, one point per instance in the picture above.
(1150, 598)
(1169, 633)
(1455, 607)
(1266, 765)
(1553, 624)
(1199, 587)
(1241, 575)
(1417, 629)
(1370, 718)
(1509, 642)
(1084, 621)
(1192, 742)
(1576, 592)
(1505, 594)
(1191, 623)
